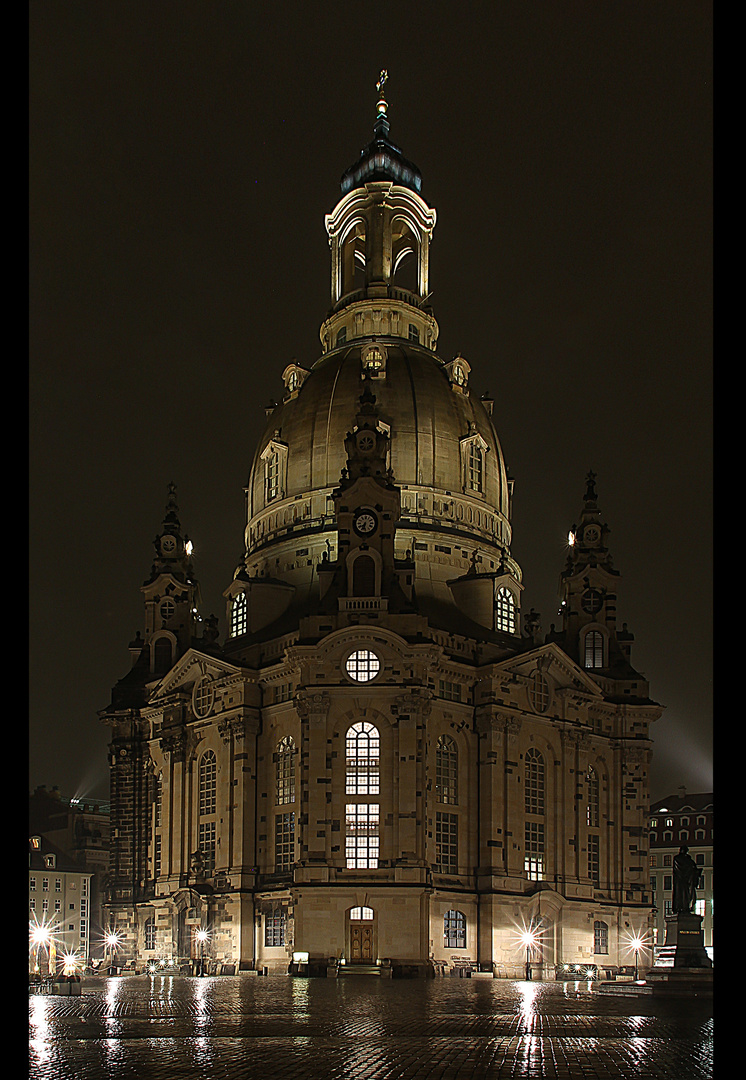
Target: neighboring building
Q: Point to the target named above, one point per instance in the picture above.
(673, 821)
(59, 893)
(81, 829)
(386, 759)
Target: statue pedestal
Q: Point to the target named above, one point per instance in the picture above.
(682, 964)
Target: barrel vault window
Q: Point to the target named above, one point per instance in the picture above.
(208, 769)
(446, 770)
(454, 930)
(362, 780)
(504, 610)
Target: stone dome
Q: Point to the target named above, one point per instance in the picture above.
(439, 430)
(444, 457)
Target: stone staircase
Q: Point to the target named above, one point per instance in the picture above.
(346, 970)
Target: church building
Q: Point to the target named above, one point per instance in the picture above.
(384, 765)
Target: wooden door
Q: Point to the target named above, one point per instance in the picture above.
(361, 943)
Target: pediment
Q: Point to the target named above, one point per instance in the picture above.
(189, 669)
(550, 659)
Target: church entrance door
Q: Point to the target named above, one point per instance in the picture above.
(361, 943)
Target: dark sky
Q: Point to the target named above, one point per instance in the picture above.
(182, 158)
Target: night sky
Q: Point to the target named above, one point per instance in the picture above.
(182, 158)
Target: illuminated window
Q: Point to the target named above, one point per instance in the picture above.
(591, 810)
(594, 649)
(239, 615)
(271, 477)
(454, 930)
(274, 928)
(474, 475)
(207, 806)
(534, 784)
(362, 665)
(364, 914)
(534, 854)
(362, 755)
(285, 771)
(505, 610)
(361, 836)
(284, 842)
(374, 362)
(446, 770)
(600, 937)
(446, 843)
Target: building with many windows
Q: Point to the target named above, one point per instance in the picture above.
(678, 820)
(385, 762)
(59, 901)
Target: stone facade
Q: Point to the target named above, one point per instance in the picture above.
(385, 762)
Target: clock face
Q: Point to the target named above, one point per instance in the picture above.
(365, 522)
(168, 545)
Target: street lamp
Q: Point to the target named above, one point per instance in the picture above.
(112, 940)
(41, 938)
(202, 937)
(636, 942)
(529, 937)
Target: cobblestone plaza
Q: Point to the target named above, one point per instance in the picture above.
(359, 1028)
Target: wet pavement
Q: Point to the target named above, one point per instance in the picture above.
(169, 1027)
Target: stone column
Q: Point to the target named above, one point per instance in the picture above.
(411, 711)
(314, 821)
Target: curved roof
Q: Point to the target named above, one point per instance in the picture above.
(428, 421)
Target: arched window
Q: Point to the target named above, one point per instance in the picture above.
(162, 656)
(285, 771)
(600, 937)
(362, 751)
(362, 756)
(474, 475)
(446, 770)
(534, 786)
(594, 649)
(363, 576)
(505, 610)
(208, 771)
(361, 914)
(352, 262)
(149, 933)
(591, 806)
(239, 615)
(454, 930)
(271, 476)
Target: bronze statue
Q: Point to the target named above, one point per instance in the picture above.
(686, 877)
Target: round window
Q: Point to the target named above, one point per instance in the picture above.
(167, 610)
(540, 692)
(362, 665)
(202, 697)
